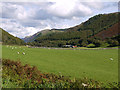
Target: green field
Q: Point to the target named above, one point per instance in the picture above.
(95, 64)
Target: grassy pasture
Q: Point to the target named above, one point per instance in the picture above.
(95, 64)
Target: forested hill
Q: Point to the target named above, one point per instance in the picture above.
(97, 23)
(9, 39)
(80, 35)
(41, 33)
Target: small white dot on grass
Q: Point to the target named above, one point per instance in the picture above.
(84, 84)
(111, 59)
(18, 52)
(23, 53)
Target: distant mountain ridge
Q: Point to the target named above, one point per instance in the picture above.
(40, 33)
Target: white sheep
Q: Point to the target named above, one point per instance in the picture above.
(23, 53)
(111, 59)
(84, 84)
(18, 52)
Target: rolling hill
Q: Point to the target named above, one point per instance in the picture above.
(10, 39)
(41, 33)
(101, 26)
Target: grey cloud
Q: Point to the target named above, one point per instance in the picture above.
(8, 12)
(111, 4)
(23, 19)
(41, 14)
(29, 23)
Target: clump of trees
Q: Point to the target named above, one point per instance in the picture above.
(87, 42)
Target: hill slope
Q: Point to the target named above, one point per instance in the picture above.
(80, 34)
(41, 33)
(10, 39)
(110, 32)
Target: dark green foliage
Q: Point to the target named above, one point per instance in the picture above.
(10, 39)
(97, 43)
(15, 75)
(113, 43)
(117, 38)
(84, 43)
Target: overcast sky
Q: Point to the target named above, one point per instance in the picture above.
(26, 18)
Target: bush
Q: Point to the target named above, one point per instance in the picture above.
(97, 43)
(113, 43)
(91, 45)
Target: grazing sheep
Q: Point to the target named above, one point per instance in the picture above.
(18, 52)
(23, 53)
(111, 59)
(1, 69)
(84, 84)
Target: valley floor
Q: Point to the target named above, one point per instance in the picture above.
(100, 65)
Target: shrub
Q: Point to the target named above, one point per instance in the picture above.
(91, 45)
